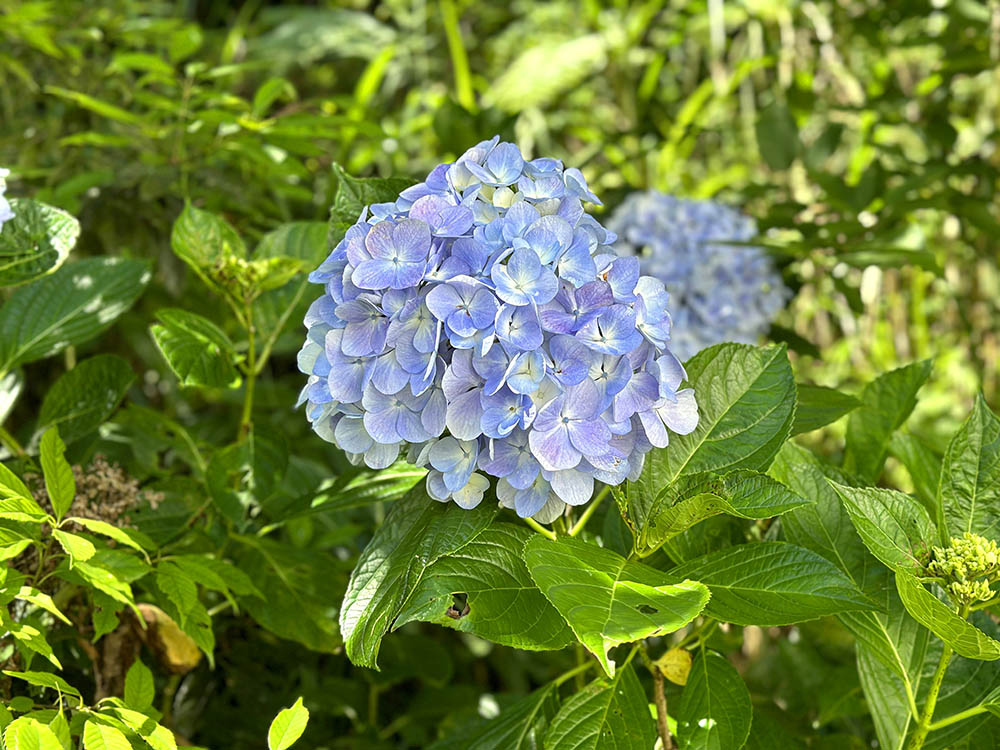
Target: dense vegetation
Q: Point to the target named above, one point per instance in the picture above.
(811, 566)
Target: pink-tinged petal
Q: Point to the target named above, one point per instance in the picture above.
(590, 436)
(443, 300)
(411, 240)
(379, 242)
(374, 274)
(553, 449)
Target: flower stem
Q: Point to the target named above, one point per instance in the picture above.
(924, 725)
(594, 504)
(660, 699)
(246, 421)
(539, 528)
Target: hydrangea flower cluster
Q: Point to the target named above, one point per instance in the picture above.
(719, 291)
(482, 325)
(966, 559)
(6, 214)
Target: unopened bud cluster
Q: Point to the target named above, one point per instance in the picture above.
(969, 564)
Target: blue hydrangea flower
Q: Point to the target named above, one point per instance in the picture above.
(483, 326)
(6, 214)
(718, 291)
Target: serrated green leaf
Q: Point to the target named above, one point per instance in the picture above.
(33, 639)
(969, 493)
(714, 712)
(746, 402)
(42, 600)
(967, 640)
(139, 688)
(178, 588)
(83, 398)
(35, 242)
(128, 537)
(60, 728)
(68, 307)
(23, 509)
(156, 736)
(608, 714)
(886, 403)
(497, 599)
(11, 484)
(59, 480)
(217, 575)
(894, 526)
(104, 614)
(817, 406)
(772, 583)
(520, 726)
(197, 350)
(79, 549)
(98, 736)
(287, 726)
(26, 733)
(202, 240)
(416, 533)
(693, 498)
(606, 599)
(106, 582)
(46, 680)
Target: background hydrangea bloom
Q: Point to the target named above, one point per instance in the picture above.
(6, 214)
(718, 291)
(483, 325)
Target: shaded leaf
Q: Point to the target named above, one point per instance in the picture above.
(817, 406)
(714, 710)
(197, 350)
(970, 477)
(59, 481)
(83, 398)
(35, 242)
(967, 640)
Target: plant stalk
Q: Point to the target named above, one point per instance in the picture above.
(924, 725)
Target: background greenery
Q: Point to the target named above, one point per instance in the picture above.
(863, 136)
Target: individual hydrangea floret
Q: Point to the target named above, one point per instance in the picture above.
(6, 214)
(718, 291)
(482, 326)
(968, 565)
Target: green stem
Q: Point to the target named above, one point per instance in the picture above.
(578, 669)
(246, 421)
(373, 706)
(539, 528)
(594, 505)
(985, 605)
(955, 718)
(459, 60)
(700, 633)
(11, 442)
(924, 725)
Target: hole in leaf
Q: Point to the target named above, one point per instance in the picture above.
(459, 606)
(647, 610)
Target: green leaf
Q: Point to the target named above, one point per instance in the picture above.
(156, 736)
(35, 242)
(68, 307)
(46, 680)
(106, 582)
(817, 406)
(772, 583)
(969, 493)
(353, 194)
(606, 599)
(777, 136)
(886, 403)
(746, 401)
(26, 733)
(22, 509)
(520, 726)
(287, 726)
(104, 109)
(714, 712)
(60, 728)
(178, 588)
(197, 350)
(894, 526)
(11, 386)
(218, 575)
(97, 736)
(33, 639)
(139, 688)
(416, 533)
(11, 485)
(693, 498)
(608, 714)
(203, 241)
(967, 640)
(485, 589)
(83, 398)
(128, 537)
(42, 600)
(79, 548)
(59, 481)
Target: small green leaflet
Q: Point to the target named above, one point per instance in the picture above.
(83, 398)
(35, 242)
(969, 491)
(714, 711)
(287, 726)
(139, 688)
(608, 714)
(771, 584)
(894, 526)
(26, 733)
(817, 406)
(353, 194)
(47, 680)
(203, 240)
(197, 350)
(886, 403)
(80, 549)
(97, 736)
(606, 599)
(967, 640)
(59, 481)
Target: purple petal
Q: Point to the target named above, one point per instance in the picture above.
(553, 449)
